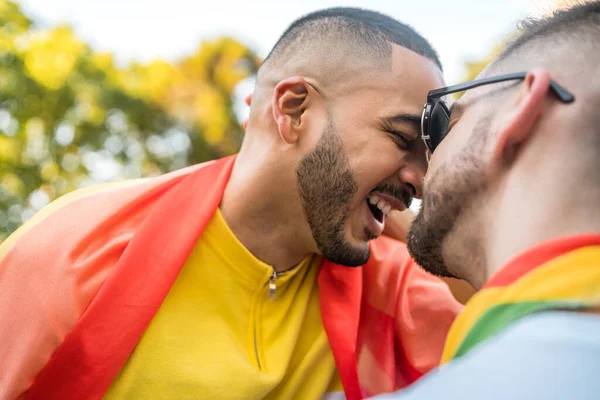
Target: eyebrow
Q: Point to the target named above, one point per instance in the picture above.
(403, 118)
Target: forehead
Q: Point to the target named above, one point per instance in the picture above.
(404, 86)
(421, 70)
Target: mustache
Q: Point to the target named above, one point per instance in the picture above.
(397, 192)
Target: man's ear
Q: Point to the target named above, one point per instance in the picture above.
(290, 100)
(248, 101)
(517, 122)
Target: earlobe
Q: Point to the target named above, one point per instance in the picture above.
(290, 100)
(519, 120)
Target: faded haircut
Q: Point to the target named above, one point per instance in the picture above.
(364, 36)
(579, 25)
(567, 43)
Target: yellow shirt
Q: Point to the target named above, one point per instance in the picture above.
(218, 335)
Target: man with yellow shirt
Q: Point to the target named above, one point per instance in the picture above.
(257, 276)
(512, 204)
(256, 340)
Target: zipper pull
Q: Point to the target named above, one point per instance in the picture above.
(272, 285)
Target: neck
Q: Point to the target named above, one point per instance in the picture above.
(545, 208)
(262, 208)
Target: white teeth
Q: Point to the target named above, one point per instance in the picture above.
(383, 205)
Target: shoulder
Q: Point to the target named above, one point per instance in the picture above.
(53, 266)
(84, 209)
(418, 307)
(548, 355)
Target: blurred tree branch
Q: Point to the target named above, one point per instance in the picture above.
(69, 117)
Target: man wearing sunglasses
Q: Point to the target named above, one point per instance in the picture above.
(511, 203)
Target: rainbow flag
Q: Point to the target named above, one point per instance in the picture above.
(562, 274)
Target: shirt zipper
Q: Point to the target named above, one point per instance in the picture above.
(271, 296)
(272, 285)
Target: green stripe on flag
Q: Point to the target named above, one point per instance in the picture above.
(500, 316)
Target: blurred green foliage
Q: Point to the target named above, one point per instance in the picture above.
(69, 117)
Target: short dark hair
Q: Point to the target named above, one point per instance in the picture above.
(360, 25)
(567, 42)
(567, 23)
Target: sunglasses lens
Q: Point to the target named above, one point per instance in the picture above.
(438, 124)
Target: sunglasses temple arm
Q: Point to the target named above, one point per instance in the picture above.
(562, 93)
(473, 84)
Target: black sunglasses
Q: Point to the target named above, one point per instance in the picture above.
(436, 116)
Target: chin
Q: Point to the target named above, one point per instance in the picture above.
(362, 240)
(369, 235)
(351, 261)
(350, 253)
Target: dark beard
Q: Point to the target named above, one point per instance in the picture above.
(327, 186)
(446, 196)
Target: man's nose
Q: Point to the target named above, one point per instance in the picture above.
(412, 176)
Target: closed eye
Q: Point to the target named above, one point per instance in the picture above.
(402, 138)
(399, 138)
